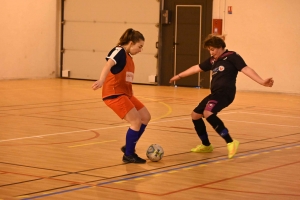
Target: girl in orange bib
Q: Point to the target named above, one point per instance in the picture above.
(116, 82)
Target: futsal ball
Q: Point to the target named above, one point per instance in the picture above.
(155, 152)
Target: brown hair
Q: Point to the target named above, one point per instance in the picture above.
(130, 35)
(216, 41)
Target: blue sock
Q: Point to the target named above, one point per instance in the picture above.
(142, 129)
(225, 135)
(131, 140)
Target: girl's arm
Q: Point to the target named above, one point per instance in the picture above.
(108, 65)
(248, 71)
(190, 71)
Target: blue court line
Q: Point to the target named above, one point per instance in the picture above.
(159, 172)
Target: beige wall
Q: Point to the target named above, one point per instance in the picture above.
(28, 39)
(266, 34)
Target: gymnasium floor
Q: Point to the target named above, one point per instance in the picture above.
(58, 140)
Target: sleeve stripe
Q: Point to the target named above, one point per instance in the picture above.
(108, 57)
(113, 54)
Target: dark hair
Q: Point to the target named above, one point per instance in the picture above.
(216, 41)
(130, 35)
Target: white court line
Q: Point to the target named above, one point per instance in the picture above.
(46, 135)
(70, 132)
(261, 123)
(270, 115)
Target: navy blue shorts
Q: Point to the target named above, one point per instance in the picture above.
(215, 102)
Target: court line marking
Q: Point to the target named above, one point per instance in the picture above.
(80, 145)
(161, 117)
(237, 176)
(285, 116)
(104, 128)
(70, 132)
(167, 105)
(158, 173)
(261, 123)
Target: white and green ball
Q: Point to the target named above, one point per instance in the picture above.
(155, 152)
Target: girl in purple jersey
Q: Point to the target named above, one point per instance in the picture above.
(225, 66)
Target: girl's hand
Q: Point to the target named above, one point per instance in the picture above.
(98, 84)
(175, 78)
(268, 82)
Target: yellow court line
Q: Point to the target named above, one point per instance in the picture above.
(139, 179)
(25, 196)
(187, 168)
(80, 145)
(165, 115)
(171, 172)
(162, 116)
(157, 175)
(120, 182)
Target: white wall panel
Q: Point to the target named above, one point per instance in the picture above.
(92, 28)
(100, 37)
(84, 64)
(112, 11)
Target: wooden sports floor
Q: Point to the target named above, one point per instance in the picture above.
(58, 140)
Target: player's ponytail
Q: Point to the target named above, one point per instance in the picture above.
(130, 35)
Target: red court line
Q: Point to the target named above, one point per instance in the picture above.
(249, 192)
(226, 179)
(204, 185)
(173, 192)
(132, 191)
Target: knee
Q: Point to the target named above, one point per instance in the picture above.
(146, 117)
(206, 113)
(136, 124)
(196, 116)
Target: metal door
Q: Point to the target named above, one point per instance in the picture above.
(187, 44)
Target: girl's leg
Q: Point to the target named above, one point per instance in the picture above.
(218, 125)
(200, 128)
(143, 113)
(132, 135)
(145, 118)
(125, 109)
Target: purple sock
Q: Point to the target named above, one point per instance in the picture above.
(142, 129)
(131, 140)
